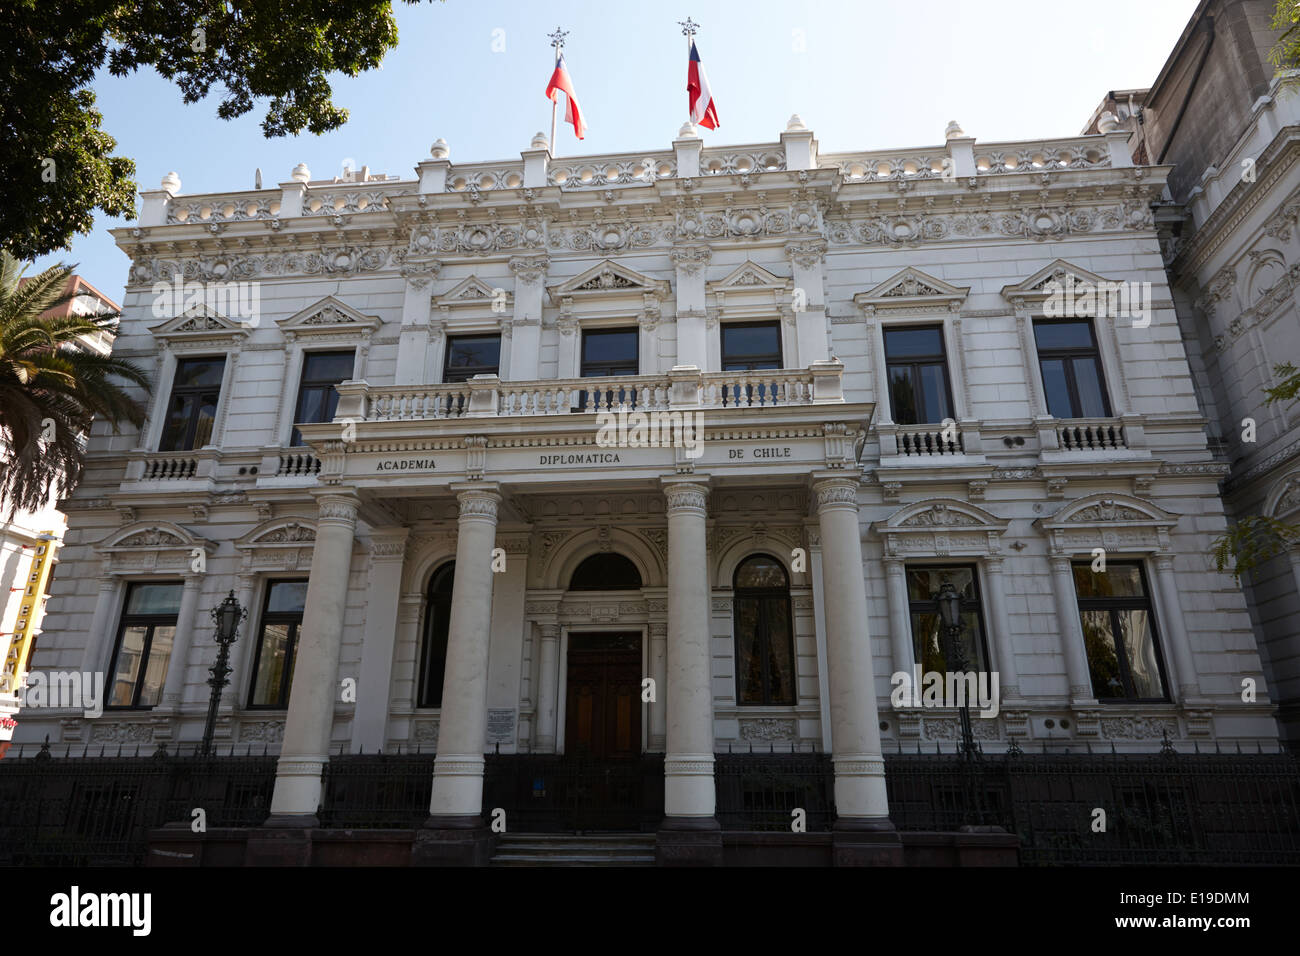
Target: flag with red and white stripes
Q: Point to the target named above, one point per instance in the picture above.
(703, 111)
(560, 83)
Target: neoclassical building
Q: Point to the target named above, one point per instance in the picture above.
(838, 384)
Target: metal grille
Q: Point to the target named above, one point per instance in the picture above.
(761, 791)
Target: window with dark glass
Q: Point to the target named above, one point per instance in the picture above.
(607, 571)
(916, 367)
(929, 642)
(764, 632)
(143, 647)
(609, 352)
(1070, 363)
(751, 346)
(317, 397)
(277, 644)
(433, 648)
(192, 408)
(1119, 632)
(470, 355)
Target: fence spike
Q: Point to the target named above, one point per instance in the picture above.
(1196, 747)
(1259, 744)
(1088, 744)
(1238, 746)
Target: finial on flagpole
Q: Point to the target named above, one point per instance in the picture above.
(689, 26)
(557, 38)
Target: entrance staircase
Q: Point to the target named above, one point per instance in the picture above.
(567, 849)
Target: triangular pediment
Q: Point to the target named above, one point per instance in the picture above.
(749, 276)
(328, 315)
(1051, 278)
(471, 291)
(608, 278)
(911, 288)
(198, 321)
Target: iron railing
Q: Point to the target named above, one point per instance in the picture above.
(94, 808)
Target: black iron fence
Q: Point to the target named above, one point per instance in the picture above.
(1166, 808)
(96, 810)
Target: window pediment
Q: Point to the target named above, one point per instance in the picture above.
(326, 317)
(607, 279)
(280, 544)
(1284, 499)
(940, 527)
(199, 326)
(912, 290)
(1111, 521)
(1050, 279)
(473, 291)
(158, 546)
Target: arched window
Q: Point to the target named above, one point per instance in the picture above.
(764, 633)
(606, 571)
(433, 647)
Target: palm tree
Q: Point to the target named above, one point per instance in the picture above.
(52, 385)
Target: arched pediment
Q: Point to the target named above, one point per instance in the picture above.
(153, 536)
(557, 570)
(1114, 522)
(1284, 497)
(939, 527)
(279, 532)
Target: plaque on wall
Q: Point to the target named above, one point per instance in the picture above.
(501, 725)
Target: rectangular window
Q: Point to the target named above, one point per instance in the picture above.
(751, 346)
(609, 352)
(144, 644)
(277, 643)
(916, 367)
(470, 355)
(1119, 633)
(1070, 363)
(317, 397)
(192, 410)
(929, 642)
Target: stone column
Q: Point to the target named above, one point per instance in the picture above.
(454, 834)
(383, 598)
(314, 689)
(174, 686)
(1067, 623)
(690, 833)
(860, 799)
(1003, 645)
(462, 730)
(1175, 630)
(548, 689)
(900, 618)
(94, 656)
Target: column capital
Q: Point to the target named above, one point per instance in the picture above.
(550, 632)
(477, 503)
(686, 497)
(894, 565)
(1059, 562)
(338, 506)
(529, 269)
(836, 494)
(389, 544)
(1163, 562)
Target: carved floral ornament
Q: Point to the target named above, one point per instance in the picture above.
(329, 315)
(1115, 522)
(146, 547)
(910, 288)
(939, 527)
(279, 544)
(605, 280)
(199, 327)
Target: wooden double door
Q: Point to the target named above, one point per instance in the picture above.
(603, 707)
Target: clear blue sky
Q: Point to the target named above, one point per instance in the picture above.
(863, 74)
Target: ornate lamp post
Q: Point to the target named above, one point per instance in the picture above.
(948, 603)
(226, 616)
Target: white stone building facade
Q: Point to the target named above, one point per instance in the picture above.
(770, 290)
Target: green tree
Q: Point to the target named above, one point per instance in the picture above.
(52, 384)
(1256, 539)
(1285, 54)
(56, 161)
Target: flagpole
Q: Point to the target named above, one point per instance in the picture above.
(557, 41)
(689, 29)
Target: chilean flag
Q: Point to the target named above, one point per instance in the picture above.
(560, 82)
(703, 111)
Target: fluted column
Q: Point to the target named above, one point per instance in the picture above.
(314, 689)
(177, 667)
(548, 687)
(462, 726)
(688, 761)
(900, 618)
(860, 798)
(1003, 645)
(1176, 640)
(1067, 622)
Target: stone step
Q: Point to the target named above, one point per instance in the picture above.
(570, 849)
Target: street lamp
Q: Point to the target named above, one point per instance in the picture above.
(948, 604)
(226, 616)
